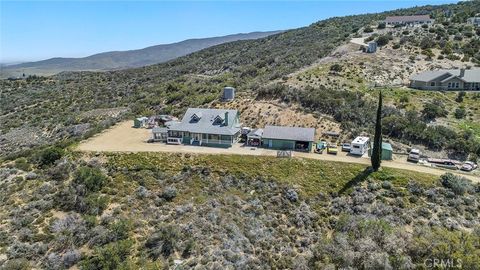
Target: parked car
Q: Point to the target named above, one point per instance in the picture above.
(346, 147)
(469, 166)
(414, 155)
(332, 149)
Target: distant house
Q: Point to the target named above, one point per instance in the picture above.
(475, 21)
(447, 79)
(207, 127)
(288, 138)
(408, 20)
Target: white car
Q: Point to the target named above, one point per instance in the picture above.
(469, 166)
(414, 155)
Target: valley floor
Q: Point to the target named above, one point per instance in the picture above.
(123, 138)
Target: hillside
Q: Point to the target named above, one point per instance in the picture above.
(65, 209)
(155, 211)
(264, 71)
(123, 59)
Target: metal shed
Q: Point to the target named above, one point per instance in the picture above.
(387, 151)
(288, 138)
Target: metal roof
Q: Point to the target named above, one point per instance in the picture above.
(159, 130)
(387, 146)
(255, 133)
(360, 140)
(413, 18)
(471, 75)
(206, 122)
(289, 133)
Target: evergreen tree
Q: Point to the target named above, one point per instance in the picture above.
(377, 140)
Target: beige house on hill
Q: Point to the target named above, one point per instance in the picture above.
(447, 79)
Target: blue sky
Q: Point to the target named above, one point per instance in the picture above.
(44, 29)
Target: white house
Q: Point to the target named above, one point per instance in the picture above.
(360, 146)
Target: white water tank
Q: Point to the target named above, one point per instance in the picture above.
(228, 93)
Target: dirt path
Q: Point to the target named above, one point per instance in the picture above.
(123, 138)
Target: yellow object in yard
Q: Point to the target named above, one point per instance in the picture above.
(332, 149)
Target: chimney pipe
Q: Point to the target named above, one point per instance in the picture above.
(226, 119)
(462, 72)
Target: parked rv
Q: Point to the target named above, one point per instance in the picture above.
(360, 146)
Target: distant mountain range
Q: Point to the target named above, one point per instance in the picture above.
(123, 59)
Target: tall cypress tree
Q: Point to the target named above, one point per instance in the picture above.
(377, 140)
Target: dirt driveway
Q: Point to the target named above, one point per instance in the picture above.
(123, 138)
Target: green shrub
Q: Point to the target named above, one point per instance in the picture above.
(108, 257)
(92, 178)
(368, 29)
(460, 112)
(162, 243)
(433, 110)
(22, 164)
(336, 67)
(459, 185)
(50, 155)
(383, 40)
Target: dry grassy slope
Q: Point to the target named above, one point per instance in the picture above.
(258, 113)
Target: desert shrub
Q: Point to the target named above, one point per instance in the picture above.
(432, 110)
(92, 178)
(63, 261)
(16, 264)
(162, 242)
(459, 185)
(22, 164)
(460, 96)
(381, 25)
(120, 229)
(460, 112)
(383, 40)
(48, 156)
(368, 29)
(336, 67)
(109, 257)
(169, 193)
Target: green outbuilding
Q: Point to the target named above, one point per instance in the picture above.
(288, 138)
(387, 151)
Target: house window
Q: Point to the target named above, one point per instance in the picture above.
(432, 84)
(449, 85)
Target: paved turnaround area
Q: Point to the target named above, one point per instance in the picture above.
(123, 138)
